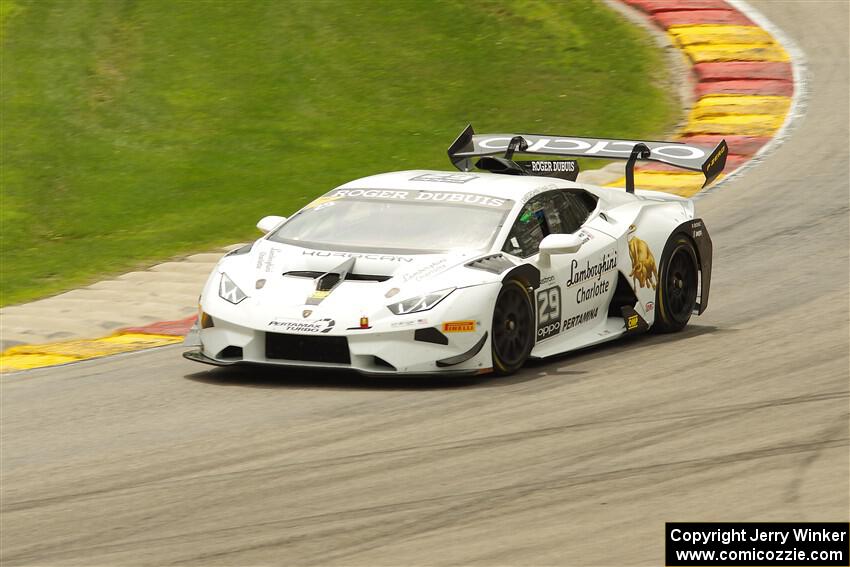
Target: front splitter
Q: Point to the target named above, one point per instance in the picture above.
(198, 356)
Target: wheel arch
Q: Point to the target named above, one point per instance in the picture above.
(525, 273)
(696, 232)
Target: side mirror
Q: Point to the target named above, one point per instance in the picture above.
(558, 244)
(561, 243)
(268, 224)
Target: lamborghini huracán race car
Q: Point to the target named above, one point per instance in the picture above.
(418, 272)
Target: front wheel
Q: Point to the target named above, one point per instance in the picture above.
(513, 328)
(676, 295)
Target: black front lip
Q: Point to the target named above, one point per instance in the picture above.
(198, 356)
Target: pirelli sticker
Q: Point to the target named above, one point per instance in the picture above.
(459, 327)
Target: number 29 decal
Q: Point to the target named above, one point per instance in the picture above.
(548, 313)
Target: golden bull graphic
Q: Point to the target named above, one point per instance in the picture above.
(643, 264)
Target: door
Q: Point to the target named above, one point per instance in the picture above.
(575, 289)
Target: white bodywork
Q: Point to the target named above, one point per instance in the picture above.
(388, 345)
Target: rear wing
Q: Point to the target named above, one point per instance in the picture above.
(686, 156)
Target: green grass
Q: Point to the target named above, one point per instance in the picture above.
(137, 131)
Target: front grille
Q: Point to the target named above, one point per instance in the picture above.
(307, 348)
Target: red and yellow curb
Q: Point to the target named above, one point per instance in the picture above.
(25, 357)
(743, 71)
(174, 328)
(744, 85)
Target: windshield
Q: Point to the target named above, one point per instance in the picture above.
(405, 223)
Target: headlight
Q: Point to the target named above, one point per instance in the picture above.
(421, 303)
(229, 291)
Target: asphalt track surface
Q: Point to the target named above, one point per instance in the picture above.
(149, 459)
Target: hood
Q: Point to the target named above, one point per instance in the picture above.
(289, 278)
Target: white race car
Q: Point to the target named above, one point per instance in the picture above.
(419, 272)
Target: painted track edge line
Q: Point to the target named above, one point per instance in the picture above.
(799, 97)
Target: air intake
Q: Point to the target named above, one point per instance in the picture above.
(430, 335)
(381, 363)
(280, 346)
(348, 277)
(231, 352)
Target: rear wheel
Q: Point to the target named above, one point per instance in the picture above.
(513, 328)
(676, 295)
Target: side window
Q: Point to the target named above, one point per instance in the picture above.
(574, 208)
(558, 212)
(530, 228)
(554, 212)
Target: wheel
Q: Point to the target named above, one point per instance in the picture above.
(676, 295)
(513, 328)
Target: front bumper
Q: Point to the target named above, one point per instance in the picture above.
(404, 351)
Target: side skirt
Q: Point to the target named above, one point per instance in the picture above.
(611, 328)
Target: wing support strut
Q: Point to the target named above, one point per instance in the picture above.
(640, 151)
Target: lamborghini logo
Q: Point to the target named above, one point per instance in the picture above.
(643, 264)
(306, 313)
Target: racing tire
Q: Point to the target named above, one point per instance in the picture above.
(513, 328)
(676, 294)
